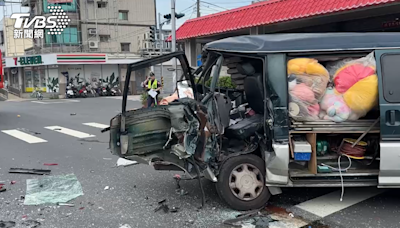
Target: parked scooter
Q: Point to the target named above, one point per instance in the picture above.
(91, 91)
(71, 91)
(115, 91)
(105, 91)
(82, 91)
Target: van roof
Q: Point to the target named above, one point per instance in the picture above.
(306, 42)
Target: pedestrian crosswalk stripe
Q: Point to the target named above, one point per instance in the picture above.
(24, 136)
(70, 132)
(96, 125)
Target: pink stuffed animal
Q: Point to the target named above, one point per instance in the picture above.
(333, 107)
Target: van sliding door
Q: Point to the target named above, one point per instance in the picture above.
(388, 69)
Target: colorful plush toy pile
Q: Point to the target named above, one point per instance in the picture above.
(354, 95)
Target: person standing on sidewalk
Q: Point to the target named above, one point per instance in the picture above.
(151, 83)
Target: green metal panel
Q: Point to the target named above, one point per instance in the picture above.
(389, 107)
(277, 91)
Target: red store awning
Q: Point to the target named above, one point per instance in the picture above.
(265, 13)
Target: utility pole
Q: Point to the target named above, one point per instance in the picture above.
(160, 38)
(198, 8)
(173, 46)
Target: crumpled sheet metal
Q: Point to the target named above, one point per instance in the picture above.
(52, 190)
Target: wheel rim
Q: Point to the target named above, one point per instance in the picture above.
(246, 182)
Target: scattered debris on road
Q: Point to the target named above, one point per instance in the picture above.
(7, 224)
(66, 204)
(29, 131)
(125, 162)
(256, 217)
(2, 189)
(174, 209)
(30, 171)
(52, 190)
(125, 226)
(31, 223)
(181, 192)
(163, 206)
(50, 164)
(13, 182)
(81, 208)
(107, 188)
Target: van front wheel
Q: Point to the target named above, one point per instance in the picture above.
(241, 183)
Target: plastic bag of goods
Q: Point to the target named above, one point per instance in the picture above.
(311, 73)
(333, 107)
(348, 73)
(303, 106)
(362, 97)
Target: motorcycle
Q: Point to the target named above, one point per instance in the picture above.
(115, 91)
(71, 91)
(105, 91)
(91, 91)
(82, 91)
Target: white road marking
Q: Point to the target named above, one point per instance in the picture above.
(130, 98)
(328, 204)
(70, 132)
(55, 102)
(96, 125)
(24, 136)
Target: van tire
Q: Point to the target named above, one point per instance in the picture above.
(225, 178)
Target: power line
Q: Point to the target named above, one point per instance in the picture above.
(215, 5)
(188, 8)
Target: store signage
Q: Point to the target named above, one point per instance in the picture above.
(391, 24)
(29, 60)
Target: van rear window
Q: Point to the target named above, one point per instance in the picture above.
(391, 77)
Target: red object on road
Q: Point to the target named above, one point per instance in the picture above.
(50, 164)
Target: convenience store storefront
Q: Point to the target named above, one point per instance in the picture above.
(50, 72)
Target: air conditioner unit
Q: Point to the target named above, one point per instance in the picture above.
(92, 31)
(93, 44)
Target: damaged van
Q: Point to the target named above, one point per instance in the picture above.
(307, 110)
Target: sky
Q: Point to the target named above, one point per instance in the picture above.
(163, 6)
(188, 7)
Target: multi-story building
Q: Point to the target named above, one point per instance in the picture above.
(11, 47)
(156, 46)
(101, 37)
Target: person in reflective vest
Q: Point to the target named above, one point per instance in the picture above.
(151, 83)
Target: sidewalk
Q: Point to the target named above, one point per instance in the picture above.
(13, 98)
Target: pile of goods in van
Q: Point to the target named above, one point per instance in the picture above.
(353, 94)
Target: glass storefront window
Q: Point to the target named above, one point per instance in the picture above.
(28, 82)
(35, 77)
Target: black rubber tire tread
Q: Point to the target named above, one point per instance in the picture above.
(224, 191)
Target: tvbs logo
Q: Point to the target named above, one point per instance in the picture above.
(34, 28)
(38, 22)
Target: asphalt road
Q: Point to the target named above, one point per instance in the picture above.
(134, 191)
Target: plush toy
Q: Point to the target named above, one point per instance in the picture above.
(333, 107)
(311, 73)
(306, 66)
(363, 95)
(303, 106)
(350, 74)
